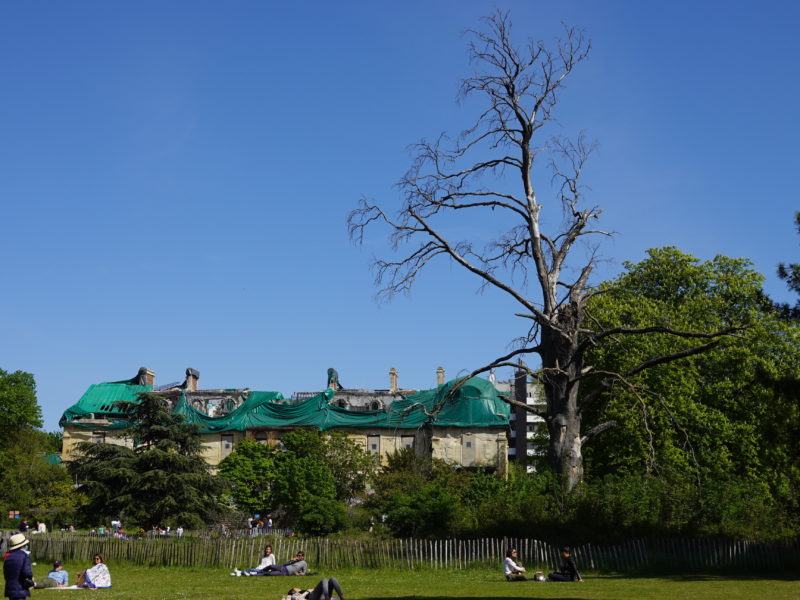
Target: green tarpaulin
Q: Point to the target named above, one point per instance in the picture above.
(472, 403)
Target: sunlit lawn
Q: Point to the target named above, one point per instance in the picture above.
(142, 583)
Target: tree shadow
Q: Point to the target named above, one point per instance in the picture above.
(718, 576)
(461, 595)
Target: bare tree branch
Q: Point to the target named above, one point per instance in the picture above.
(515, 249)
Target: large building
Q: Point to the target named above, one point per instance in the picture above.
(463, 424)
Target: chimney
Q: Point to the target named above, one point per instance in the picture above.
(439, 375)
(190, 385)
(145, 377)
(393, 380)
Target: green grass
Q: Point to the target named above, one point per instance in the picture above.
(143, 583)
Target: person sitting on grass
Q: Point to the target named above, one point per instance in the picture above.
(511, 569)
(96, 576)
(569, 570)
(322, 591)
(296, 566)
(267, 560)
(57, 577)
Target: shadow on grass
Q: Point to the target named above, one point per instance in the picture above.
(719, 576)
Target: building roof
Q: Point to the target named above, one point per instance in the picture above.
(473, 403)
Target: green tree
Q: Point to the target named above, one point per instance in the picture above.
(27, 482)
(18, 405)
(305, 487)
(352, 466)
(420, 496)
(690, 448)
(348, 461)
(163, 480)
(250, 470)
(31, 485)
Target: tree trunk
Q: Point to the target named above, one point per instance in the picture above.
(561, 367)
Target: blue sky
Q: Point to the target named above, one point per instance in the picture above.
(175, 176)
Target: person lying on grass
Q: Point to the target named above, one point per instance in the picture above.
(322, 591)
(296, 566)
(57, 577)
(569, 570)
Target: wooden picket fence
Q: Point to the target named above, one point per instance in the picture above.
(324, 554)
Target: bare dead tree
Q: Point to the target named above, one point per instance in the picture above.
(508, 145)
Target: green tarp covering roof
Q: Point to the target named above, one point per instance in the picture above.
(474, 403)
(100, 400)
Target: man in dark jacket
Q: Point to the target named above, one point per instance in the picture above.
(17, 568)
(569, 570)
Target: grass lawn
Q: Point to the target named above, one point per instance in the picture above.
(143, 583)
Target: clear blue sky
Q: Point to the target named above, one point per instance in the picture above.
(175, 176)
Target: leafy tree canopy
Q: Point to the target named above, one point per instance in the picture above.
(18, 404)
(27, 482)
(250, 470)
(164, 480)
(707, 424)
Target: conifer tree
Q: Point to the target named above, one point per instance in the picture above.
(162, 480)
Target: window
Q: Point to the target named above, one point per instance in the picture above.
(261, 437)
(227, 443)
(98, 437)
(374, 444)
(469, 444)
(407, 441)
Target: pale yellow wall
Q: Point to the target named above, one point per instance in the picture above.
(75, 435)
(390, 440)
(212, 451)
(488, 448)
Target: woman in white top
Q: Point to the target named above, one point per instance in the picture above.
(267, 559)
(511, 569)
